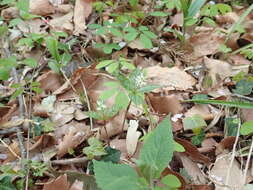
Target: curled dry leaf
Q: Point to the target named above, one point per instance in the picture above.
(206, 43)
(41, 7)
(59, 183)
(192, 151)
(225, 144)
(192, 169)
(218, 68)
(74, 135)
(202, 110)
(169, 78)
(49, 81)
(219, 172)
(83, 9)
(10, 13)
(63, 23)
(165, 104)
(132, 137)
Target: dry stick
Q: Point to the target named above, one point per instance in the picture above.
(247, 163)
(122, 129)
(233, 155)
(88, 103)
(10, 149)
(70, 161)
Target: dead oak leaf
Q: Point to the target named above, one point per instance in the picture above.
(170, 78)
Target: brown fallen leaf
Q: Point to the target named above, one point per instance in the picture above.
(60, 183)
(169, 78)
(206, 43)
(202, 110)
(192, 151)
(83, 9)
(77, 185)
(165, 104)
(247, 114)
(41, 7)
(63, 23)
(10, 13)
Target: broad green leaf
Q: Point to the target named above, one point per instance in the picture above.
(122, 99)
(149, 34)
(112, 155)
(191, 21)
(247, 128)
(243, 87)
(131, 36)
(195, 7)
(232, 125)
(143, 28)
(223, 8)
(112, 84)
(54, 66)
(209, 21)
(115, 32)
(52, 46)
(3, 30)
(107, 94)
(111, 176)
(94, 26)
(147, 43)
(171, 181)
(65, 59)
(15, 22)
(194, 122)
(158, 149)
(235, 104)
(18, 92)
(30, 62)
(159, 13)
(127, 65)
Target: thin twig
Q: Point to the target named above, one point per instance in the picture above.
(233, 155)
(10, 149)
(247, 163)
(88, 103)
(70, 161)
(123, 124)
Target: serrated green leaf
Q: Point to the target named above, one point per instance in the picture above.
(171, 181)
(147, 43)
(158, 149)
(247, 128)
(194, 122)
(111, 176)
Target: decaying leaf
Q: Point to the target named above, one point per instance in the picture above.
(169, 78)
(41, 7)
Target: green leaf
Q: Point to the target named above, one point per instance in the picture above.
(104, 63)
(194, 122)
(95, 148)
(18, 92)
(131, 36)
(122, 99)
(6, 184)
(107, 94)
(171, 181)
(15, 22)
(247, 128)
(115, 32)
(112, 155)
(54, 66)
(3, 30)
(243, 87)
(191, 21)
(179, 147)
(145, 40)
(111, 176)
(127, 65)
(52, 46)
(158, 149)
(133, 3)
(65, 59)
(149, 34)
(148, 88)
(30, 62)
(112, 67)
(235, 104)
(223, 8)
(195, 7)
(159, 13)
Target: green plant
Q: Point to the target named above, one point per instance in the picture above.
(95, 148)
(126, 33)
(155, 155)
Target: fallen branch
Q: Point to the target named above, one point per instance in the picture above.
(70, 161)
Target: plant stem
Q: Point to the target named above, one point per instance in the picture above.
(127, 109)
